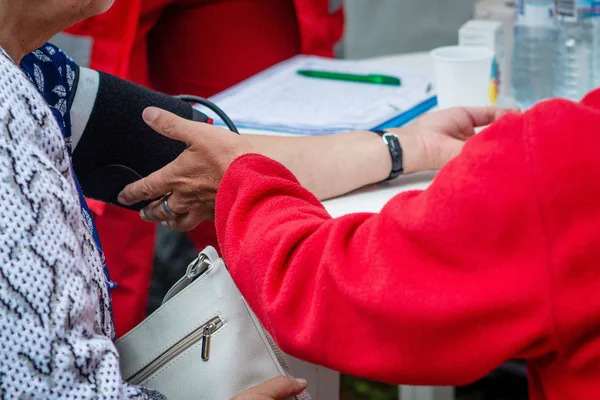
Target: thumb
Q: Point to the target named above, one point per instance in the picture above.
(170, 125)
(280, 388)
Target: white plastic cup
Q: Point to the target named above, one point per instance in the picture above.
(463, 76)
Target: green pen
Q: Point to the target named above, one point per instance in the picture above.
(340, 76)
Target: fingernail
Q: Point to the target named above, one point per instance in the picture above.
(150, 114)
(301, 381)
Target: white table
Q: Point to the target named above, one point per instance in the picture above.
(324, 383)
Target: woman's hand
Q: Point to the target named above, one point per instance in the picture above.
(435, 138)
(279, 388)
(187, 187)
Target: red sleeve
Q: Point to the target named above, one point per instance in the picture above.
(440, 287)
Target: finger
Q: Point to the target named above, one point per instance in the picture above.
(482, 116)
(171, 125)
(156, 212)
(151, 187)
(280, 388)
(502, 111)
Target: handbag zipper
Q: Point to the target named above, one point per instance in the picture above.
(204, 334)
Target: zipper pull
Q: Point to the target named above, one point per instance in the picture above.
(206, 336)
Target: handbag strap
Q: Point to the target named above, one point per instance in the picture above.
(195, 269)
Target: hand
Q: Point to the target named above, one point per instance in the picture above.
(275, 389)
(436, 138)
(192, 179)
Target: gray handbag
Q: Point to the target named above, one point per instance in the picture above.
(204, 342)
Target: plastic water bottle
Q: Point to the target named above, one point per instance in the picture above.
(534, 55)
(578, 45)
(595, 72)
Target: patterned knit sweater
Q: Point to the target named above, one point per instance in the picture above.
(55, 318)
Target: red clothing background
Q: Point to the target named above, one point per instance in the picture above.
(194, 47)
(497, 260)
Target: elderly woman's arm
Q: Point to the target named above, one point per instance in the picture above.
(108, 131)
(328, 166)
(108, 134)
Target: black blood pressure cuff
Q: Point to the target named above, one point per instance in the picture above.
(112, 144)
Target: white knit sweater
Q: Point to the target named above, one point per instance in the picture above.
(55, 319)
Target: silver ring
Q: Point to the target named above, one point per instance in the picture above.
(167, 210)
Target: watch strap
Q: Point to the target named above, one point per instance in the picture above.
(396, 153)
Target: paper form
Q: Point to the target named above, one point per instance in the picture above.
(280, 99)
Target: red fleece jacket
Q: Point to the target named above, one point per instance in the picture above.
(498, 259)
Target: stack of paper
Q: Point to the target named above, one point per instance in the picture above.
(281, 100)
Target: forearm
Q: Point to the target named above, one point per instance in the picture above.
(334, 165)
(329, 166)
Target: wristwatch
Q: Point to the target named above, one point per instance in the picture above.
(393, 144)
